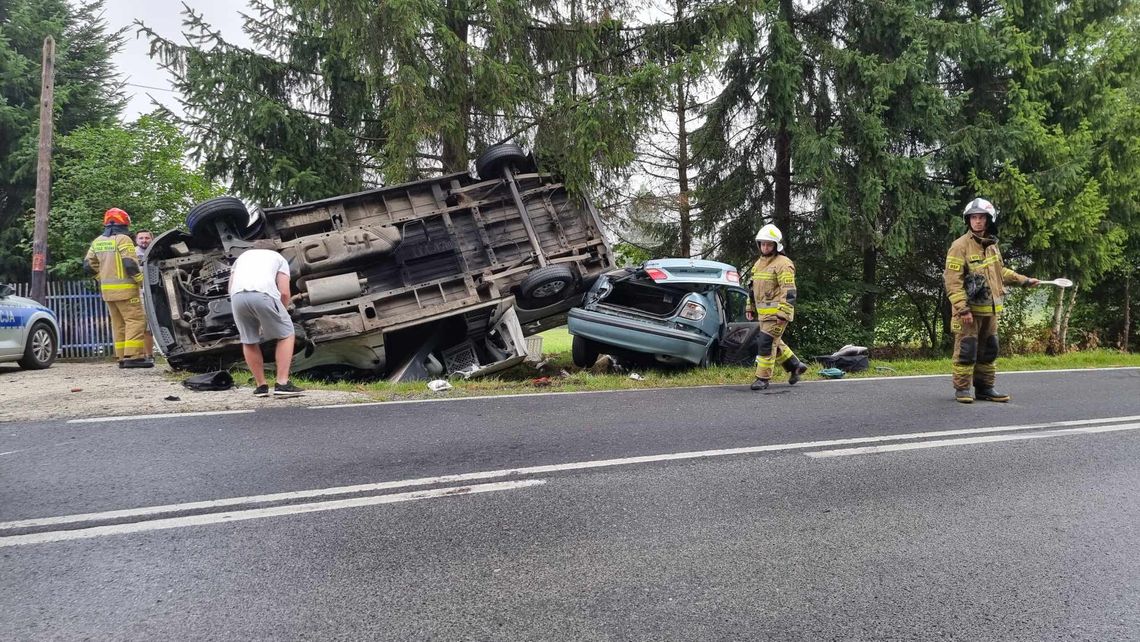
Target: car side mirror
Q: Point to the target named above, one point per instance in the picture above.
(6, 290)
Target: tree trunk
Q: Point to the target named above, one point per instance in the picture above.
(867, 305)
(783, 171)
(454, 143)
(1125, 342)
(1055, 346)
(1068, 313)
(683, 208)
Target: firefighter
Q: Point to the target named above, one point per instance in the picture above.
(774, 290)
(113, 261)
(975, 284)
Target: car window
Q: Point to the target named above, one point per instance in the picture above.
(736, 308)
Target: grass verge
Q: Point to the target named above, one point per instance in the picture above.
(560, 376)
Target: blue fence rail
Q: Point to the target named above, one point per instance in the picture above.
(83, 318)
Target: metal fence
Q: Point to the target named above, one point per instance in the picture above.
(83, 318)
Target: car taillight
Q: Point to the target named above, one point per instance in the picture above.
(733, 277)
(656, 275)
(693, 311)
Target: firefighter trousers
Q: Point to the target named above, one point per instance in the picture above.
(127, 325)
(772, 349)
(975, 350)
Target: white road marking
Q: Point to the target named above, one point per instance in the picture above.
(627, 390)
(533, 470)
(869, 450)
(169, 415)
(256, 513)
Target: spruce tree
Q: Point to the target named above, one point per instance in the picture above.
(87, 92)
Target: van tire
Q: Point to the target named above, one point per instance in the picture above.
(584, 352)
(490, 165)
(202, 216)
(547, 286)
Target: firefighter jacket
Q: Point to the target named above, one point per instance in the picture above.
(972, 254)
(774, 287)
(113, 261)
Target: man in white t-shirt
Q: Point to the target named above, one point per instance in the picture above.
(259, 294)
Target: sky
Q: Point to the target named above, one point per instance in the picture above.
(165, 17)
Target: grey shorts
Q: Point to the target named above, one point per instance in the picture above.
(260, 317)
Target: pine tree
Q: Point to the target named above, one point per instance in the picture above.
(342, 94)
(87, 91)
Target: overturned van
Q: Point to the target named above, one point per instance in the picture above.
(436, 277)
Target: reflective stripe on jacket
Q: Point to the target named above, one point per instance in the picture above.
(971, 253)
(114, 262)
(774, 287)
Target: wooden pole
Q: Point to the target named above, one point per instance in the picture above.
(43, 175)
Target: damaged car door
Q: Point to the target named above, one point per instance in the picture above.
(440, 276)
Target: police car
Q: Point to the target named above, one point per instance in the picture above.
(29, 332)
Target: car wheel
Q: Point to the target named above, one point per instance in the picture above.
(546, 286)
(202, 216)
(40, 351)
(710, 357)
(584, 352)
(490, 165)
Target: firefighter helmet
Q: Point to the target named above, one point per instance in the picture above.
(116, 216)
(981, 206)
(772, 234)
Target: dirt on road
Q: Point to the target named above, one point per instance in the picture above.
(72, 390)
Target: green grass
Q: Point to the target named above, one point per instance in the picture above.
(559, 375)
(556, 341)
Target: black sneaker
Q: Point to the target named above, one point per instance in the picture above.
(286, 389)
(963, 396)
(261, 391)
(759, 384)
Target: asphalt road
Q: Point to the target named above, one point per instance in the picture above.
(832, 510)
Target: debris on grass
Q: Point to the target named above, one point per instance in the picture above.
(439, 385)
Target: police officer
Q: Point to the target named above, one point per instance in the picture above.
(774, 290)
(975, 280)
(113, 261)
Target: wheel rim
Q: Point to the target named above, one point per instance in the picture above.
(41, 345)
(549, 289)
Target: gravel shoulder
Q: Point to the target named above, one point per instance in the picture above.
(71, 390)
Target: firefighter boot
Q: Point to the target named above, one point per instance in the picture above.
(796, 369)
(963, 396)
(759, 384)
(989, 394)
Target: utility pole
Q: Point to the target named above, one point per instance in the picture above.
(43, 176)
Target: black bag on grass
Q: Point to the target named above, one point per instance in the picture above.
(217, 380)
(847, 363)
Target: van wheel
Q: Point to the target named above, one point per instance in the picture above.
(40, 351)
(490, 165)
(584, 352)
(546, 286)
(202, 216)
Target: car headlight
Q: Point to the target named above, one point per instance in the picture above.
(693, 311)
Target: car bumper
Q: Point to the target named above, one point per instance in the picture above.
(638, 335)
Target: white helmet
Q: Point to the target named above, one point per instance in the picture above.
(772, 234)
(981, 206)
